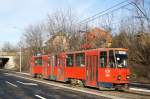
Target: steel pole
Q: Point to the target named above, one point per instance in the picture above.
(20, 59)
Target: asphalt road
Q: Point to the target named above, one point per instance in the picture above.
(12, 87)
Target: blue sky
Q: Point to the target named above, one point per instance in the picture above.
(21, 13)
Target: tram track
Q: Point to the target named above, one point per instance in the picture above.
(140, 85)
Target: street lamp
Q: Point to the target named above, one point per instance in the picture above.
(20, 58)
(20, 47)
(20, 52)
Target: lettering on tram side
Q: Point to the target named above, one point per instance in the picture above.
(107, 72)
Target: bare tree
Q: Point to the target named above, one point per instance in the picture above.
(8, 47)
(33, 36)
(32, 41)
(63, 25)
(136, 37)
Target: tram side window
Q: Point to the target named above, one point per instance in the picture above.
(69, 60)
(103, 59)
(111, 59)
(38, 61)
(49, 61)
(53, 61)
(56, 60)
(80, 59)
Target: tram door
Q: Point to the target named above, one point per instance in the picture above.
(32, 65)
(91, 71)
(45, 66)
(52, 67)
(61, 68)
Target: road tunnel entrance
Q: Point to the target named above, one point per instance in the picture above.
(3, 62)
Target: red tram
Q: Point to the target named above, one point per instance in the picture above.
(102, 67)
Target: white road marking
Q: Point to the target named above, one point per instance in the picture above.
(6, 74)
(11, 84)
(23, 73)
(70, 88)
(137, 89)
(40, 97)
(27, 83)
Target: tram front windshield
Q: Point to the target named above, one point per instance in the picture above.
(121, 59)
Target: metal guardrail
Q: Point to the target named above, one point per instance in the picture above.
(140, 85)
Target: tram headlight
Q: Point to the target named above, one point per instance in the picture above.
(119, 77)
(127, 77)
